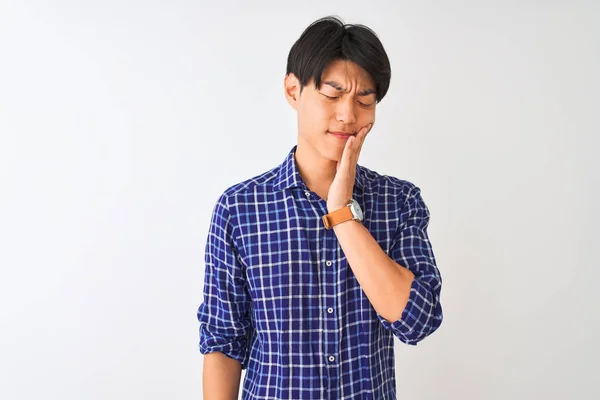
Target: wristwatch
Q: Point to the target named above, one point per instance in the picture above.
(351, 211)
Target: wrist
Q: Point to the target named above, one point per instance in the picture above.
(335, 207)
(338, 214)
(331, 207)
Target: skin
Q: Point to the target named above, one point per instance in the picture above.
(348, 108)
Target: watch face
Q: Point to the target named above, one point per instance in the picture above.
(356, 210)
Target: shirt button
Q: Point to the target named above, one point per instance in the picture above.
(307, 193)
(330, 310)
(328, 263)
(331, 358)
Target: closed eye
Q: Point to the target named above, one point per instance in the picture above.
(337, 97)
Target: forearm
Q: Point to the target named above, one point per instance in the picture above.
(385, 283)
(221, 377)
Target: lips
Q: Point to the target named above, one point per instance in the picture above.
(343, 136)
(342, 133)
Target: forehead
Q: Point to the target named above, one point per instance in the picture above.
(347, 73)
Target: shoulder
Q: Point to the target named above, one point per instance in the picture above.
(387, 185)
(401, 198)
(240, 192)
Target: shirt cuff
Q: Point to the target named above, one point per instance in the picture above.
(410, 325)
(235, 347)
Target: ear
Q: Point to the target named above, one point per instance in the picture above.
(291, 86)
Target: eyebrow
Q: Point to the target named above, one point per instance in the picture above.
(339, 88)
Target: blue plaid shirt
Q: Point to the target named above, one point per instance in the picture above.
(280, 297)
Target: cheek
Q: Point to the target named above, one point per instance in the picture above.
(317, 114)
(369, 117)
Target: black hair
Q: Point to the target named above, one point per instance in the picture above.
(329, 39)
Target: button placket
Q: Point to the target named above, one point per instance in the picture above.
(331, 323)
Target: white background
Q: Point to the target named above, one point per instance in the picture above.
(122, 121)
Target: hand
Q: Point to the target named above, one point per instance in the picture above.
(340, 190)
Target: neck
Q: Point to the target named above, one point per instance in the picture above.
(317, 171)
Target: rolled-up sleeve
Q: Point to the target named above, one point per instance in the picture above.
(412, 249)
(224, 313)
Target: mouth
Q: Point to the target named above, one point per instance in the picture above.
(342, 135)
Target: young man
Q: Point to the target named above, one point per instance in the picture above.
(313, 267)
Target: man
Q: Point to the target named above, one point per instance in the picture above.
(313, 267)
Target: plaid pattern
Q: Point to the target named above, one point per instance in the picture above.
(280, 297)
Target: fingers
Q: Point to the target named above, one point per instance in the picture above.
(348, 149)
(354, 145)
(362, 134)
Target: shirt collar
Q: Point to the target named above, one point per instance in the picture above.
(288, 175)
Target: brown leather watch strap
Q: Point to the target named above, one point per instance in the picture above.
(336, 217)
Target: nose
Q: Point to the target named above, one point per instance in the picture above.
(345, 112)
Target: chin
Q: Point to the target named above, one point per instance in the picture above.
(324, 146)
(329, 151)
